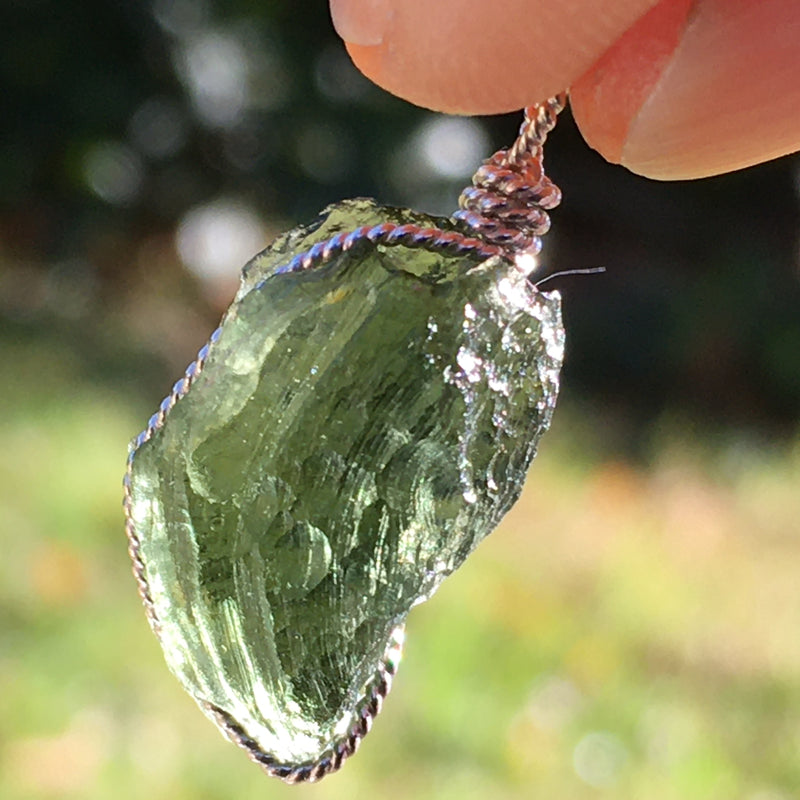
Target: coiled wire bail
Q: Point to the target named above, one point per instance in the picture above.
(510, 195)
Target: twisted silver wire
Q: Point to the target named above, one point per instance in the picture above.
(510, 195)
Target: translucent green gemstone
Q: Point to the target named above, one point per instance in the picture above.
(356, 429)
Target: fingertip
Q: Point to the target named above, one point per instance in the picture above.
(723, 96)
(361, 22)
(482, 56)
(606, 100)
(366, 57)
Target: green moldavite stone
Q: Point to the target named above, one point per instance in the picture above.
(356, 429)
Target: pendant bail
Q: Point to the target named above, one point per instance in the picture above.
(510, 195)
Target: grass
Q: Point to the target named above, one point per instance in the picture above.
(628, 632)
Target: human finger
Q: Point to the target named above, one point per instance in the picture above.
(697, 88)
(477, 56)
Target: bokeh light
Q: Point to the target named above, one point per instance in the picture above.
(214, 240)
(113, 172)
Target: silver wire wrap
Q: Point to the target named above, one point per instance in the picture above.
(505, 213)
(510, 195)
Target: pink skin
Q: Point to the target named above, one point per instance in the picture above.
(672, 89)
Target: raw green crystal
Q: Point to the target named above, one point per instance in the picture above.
(357, 428)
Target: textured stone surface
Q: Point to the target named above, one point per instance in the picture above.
(356, 430)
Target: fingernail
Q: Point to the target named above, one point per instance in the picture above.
(728, 98)
(610, 96)
(362, 22)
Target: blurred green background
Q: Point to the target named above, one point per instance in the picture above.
(631, 631)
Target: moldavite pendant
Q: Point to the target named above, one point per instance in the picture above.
(362, 418)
